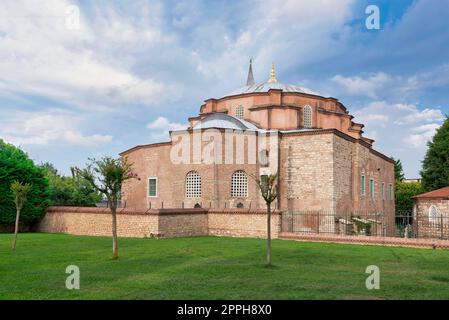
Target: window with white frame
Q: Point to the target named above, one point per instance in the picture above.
(390, 191)
(433, 214)
(307, 117)
(371, 188)
(239, 112)
(362, 185)
(239, 184)
(152, 187)
(193, 185)
(383, 191)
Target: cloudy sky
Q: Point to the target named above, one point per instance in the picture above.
(127, 72)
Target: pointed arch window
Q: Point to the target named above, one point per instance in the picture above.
(193, 185)
(433, 214)
(307, 117)
(239, 184)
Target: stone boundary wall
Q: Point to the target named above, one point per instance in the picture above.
(367, 240)
(159, 222)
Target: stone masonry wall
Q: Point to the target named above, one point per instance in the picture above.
(159, 222)
(98, 222)
(432, 227)
(242, 223)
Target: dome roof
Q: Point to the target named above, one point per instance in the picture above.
(225, 121)
(271, 83)
(265, 86)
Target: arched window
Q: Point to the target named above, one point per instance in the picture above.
(239, 184)
(307, 117)
(193, 185)
(433, 214)
(239, 112)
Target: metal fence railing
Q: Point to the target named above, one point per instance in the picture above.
(404, 225)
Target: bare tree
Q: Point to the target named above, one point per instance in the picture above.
(269, 189)
(107, 176)
(19, 191)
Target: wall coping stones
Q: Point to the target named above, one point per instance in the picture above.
(167, 211)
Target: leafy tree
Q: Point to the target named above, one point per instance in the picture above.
(107, 176)
(435, 169)
(69, 191)
(398, 170)
(19, 191)
(404, 191)
(16, 166)
(268, 187)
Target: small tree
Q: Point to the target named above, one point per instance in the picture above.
(19, 191)
(268, 187)
(435, 166)
(106, 176)
(398, 170)
(404, 191)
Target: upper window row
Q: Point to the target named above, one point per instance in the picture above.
(239, 185)
(372, 189)
(307, 115)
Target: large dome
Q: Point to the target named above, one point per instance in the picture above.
(272, 83)
(264, 87)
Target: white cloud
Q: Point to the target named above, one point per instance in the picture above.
(271, 32)
(368, 86)
(40, 56)
(381, 85)
(400, 130)
(419, 136)
(45, 127)
(161, 126)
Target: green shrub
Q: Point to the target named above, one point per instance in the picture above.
(403, 196)
(16, 166)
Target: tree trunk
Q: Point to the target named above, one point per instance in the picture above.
(114, 232)
(269, 234)
(16, 230)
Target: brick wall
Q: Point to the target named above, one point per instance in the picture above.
(159, 222)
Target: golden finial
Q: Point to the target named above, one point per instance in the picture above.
(272, 78)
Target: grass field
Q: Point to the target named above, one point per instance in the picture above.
(215, 268)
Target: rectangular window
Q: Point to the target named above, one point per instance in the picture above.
(371, 188)
(152, 187)
(383, 190)
(390, 186)
(239, 112)
(362, 185)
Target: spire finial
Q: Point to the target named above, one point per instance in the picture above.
(250, 79)
(272, 78)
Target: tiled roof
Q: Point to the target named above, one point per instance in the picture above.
(440, 193)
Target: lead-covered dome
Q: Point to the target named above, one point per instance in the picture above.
(264, 87)
(272, 83)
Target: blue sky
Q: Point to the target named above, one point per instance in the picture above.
(135, 69)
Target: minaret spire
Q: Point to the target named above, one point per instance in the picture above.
(272, 78)
(250, 79)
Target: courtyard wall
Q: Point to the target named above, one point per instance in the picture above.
(159, 222)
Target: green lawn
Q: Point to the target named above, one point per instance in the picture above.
(215, 268)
